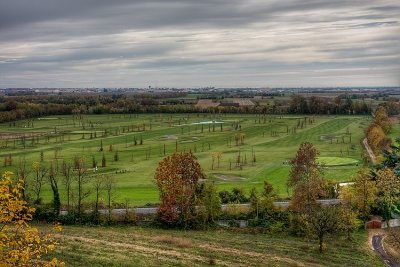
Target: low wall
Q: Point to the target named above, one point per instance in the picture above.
(391, 223)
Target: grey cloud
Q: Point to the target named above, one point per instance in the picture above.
(231, 40)
(98, 53)
(176, 63)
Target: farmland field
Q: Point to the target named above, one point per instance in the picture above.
(263, 143)
(135, 246)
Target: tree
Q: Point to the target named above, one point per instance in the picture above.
(324, 220)
(40, 172)
(176, 177)
(209, 204)
(348, 222)
(22, 175)
(263, 205)
(254, 200)
(305, 177)
(98, 187)
(94, 162)
(20, 244)
(81, 179)
(361, 195)
(238, 196)
(298, 105)
(215, 156)
(391, 158)
(225, 196)
(382, 119)
(109, 187)
(388, 185)
(54, 187)
(103, 161)
(101, 146)
(66, 169)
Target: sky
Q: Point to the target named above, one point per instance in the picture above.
(198, 43)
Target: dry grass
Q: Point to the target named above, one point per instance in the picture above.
(135, 246)
(179, 242)
(392, 243)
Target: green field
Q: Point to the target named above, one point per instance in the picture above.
(135, 246)
(273, 140)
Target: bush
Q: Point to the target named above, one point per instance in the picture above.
(45, 213)
(225, 196)
(298, 225)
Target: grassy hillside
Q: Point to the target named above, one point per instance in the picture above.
(134, 246)
(272, 139)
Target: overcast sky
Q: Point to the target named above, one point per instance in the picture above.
(193, 43)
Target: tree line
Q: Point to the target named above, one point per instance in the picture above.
(377, 130)
(32, 106)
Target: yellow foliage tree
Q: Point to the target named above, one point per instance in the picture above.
(362, 195)
(20, 244)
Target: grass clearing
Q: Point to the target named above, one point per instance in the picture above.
(135, 246)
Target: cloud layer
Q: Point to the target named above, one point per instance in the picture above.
(188, 43)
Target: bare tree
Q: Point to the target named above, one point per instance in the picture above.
(109, 187)
(67, 180)
(40, 172)
(98, 184)
(22, 174)
(54, 187)
(81, 178)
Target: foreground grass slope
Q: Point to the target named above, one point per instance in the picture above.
(134, 246)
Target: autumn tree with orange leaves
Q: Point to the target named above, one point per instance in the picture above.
(305, 179)
(20, 244)
(177, 177)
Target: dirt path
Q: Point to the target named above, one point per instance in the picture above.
(369, 150)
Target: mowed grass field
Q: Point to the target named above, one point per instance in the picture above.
(134, 246)
(272, 139)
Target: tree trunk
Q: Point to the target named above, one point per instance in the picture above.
(321, 243)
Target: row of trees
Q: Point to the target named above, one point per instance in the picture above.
(26, 107)
(319, 105)
(77, 182)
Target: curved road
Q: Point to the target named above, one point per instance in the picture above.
(378, 247)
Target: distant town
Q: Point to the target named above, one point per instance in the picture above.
(248, 90)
